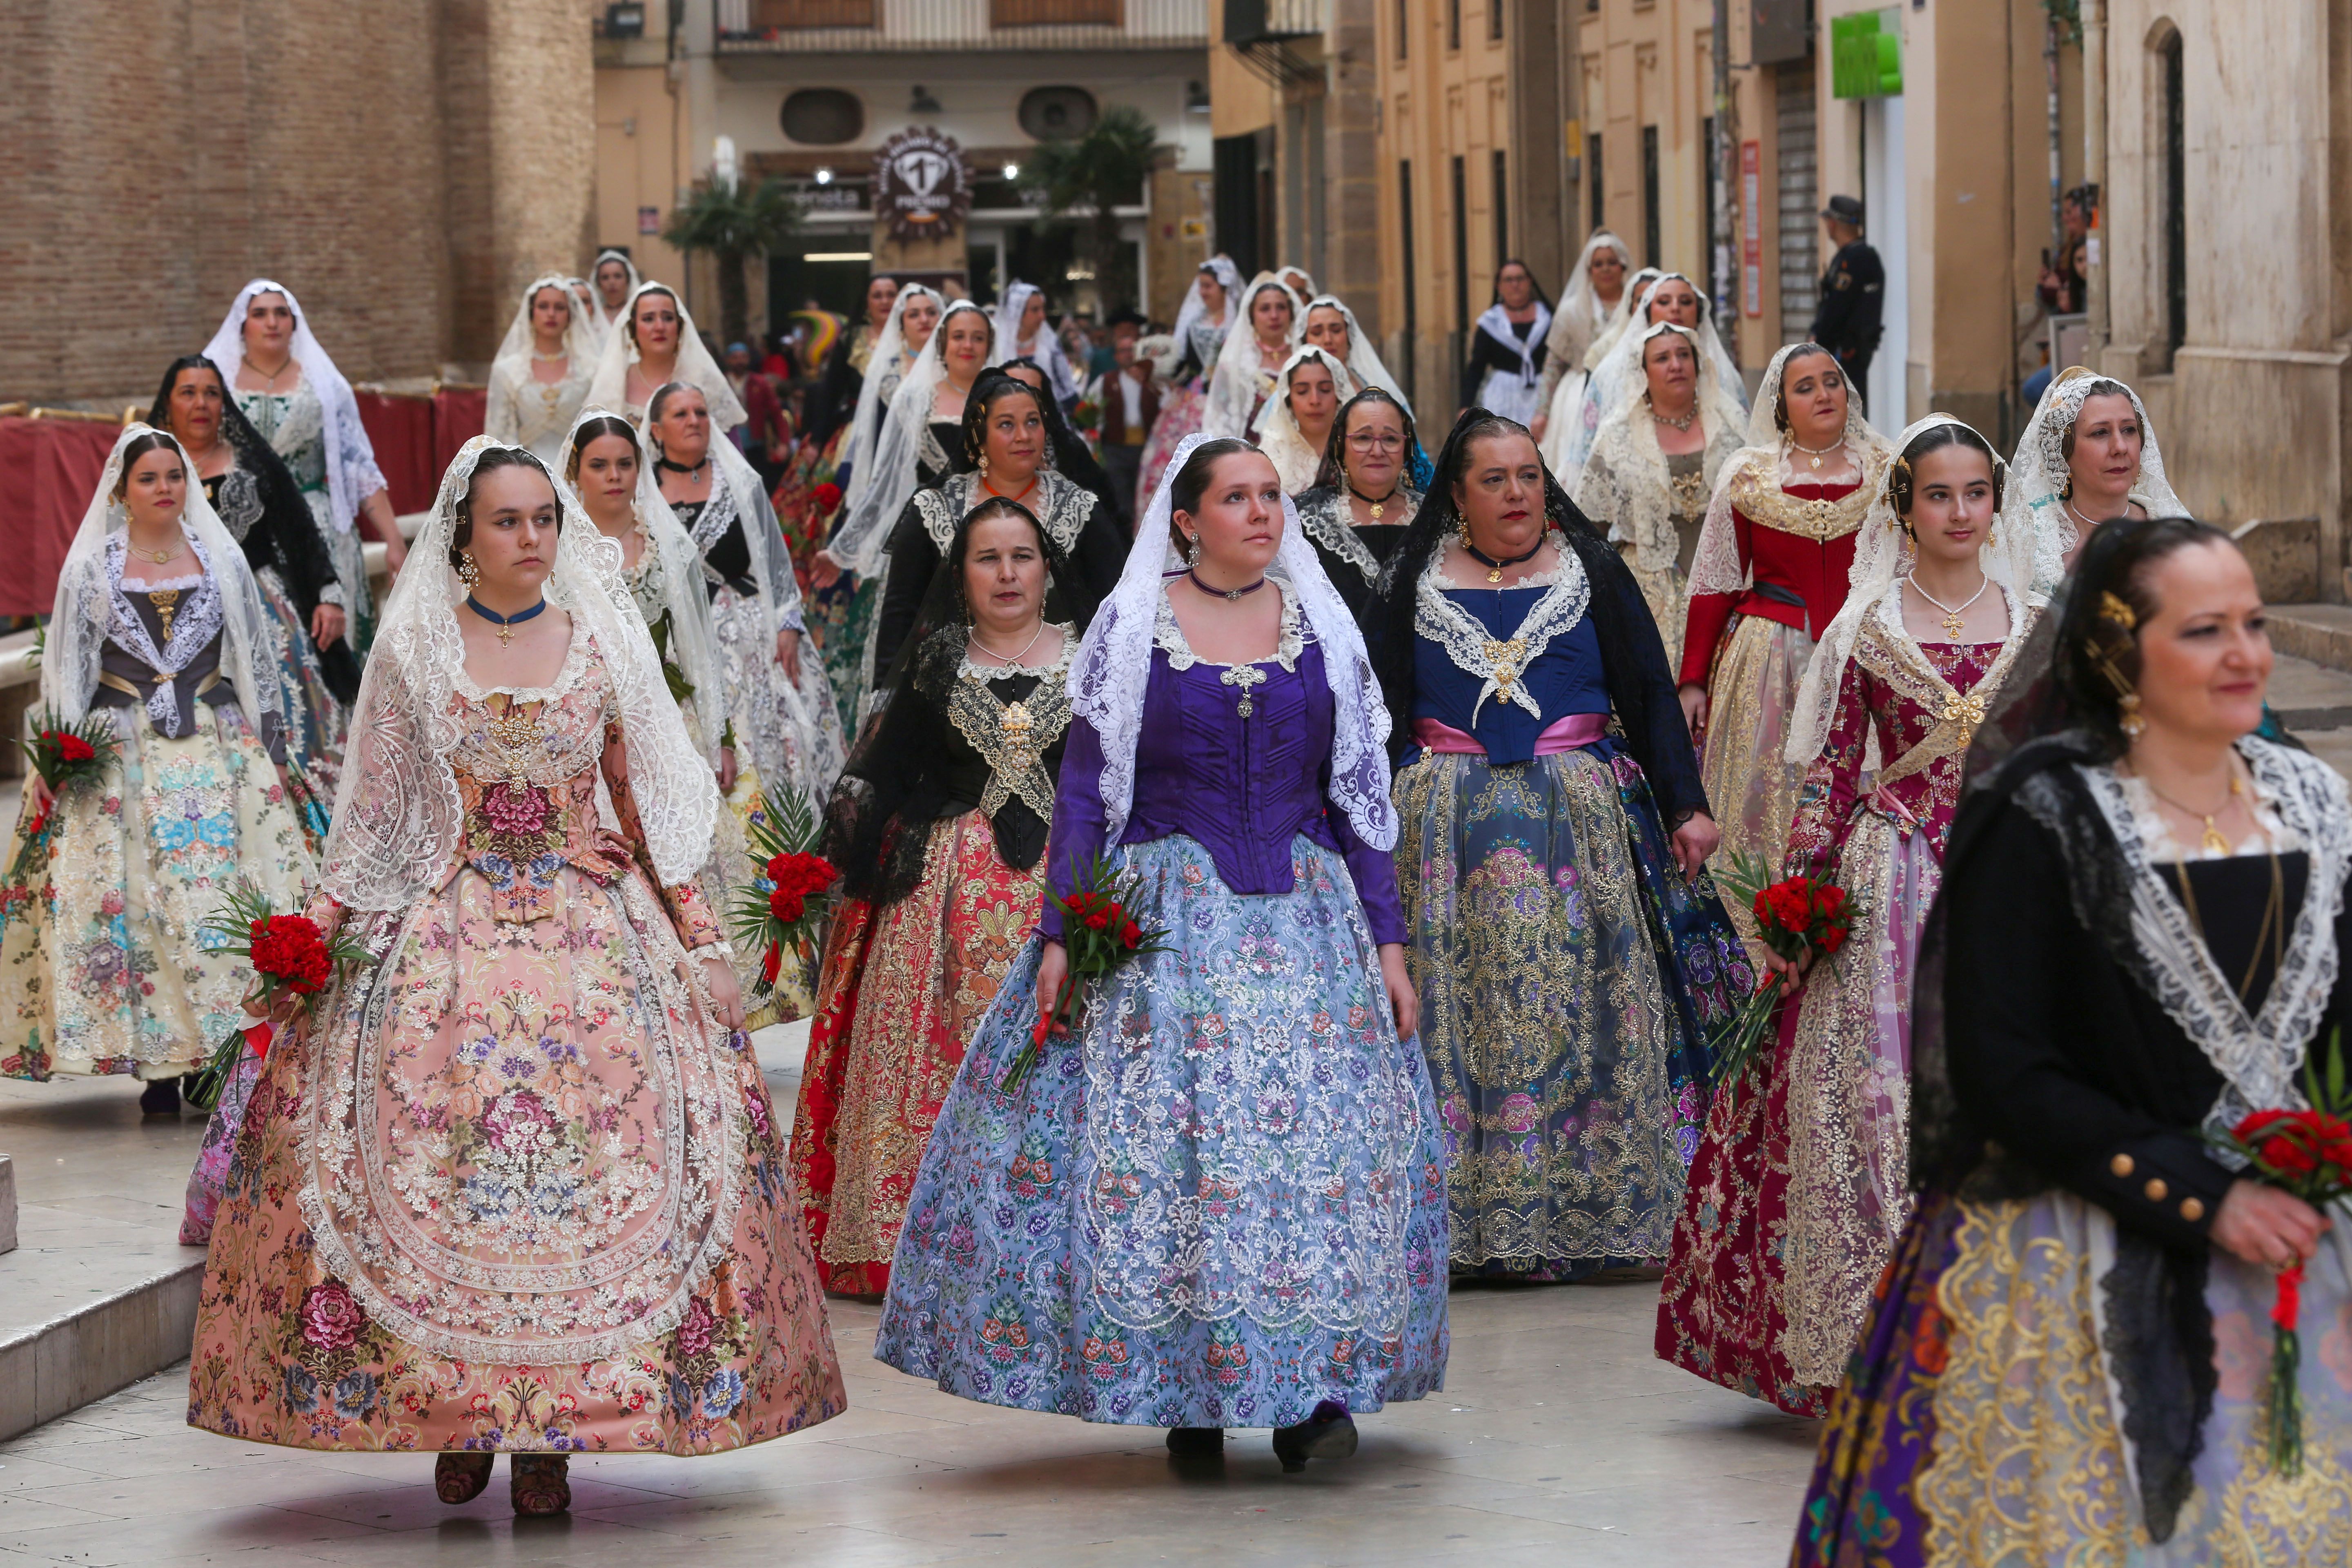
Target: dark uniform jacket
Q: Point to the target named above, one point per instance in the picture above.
(1854, 293)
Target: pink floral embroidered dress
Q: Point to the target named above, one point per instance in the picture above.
(515, 1186)
(1800, 1186)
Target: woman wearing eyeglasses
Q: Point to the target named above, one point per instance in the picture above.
(1363, 495)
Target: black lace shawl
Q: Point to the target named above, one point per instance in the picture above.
(1633, 657)
(286, 536)
(900, 777)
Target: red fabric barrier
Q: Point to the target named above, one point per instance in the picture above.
(400, 431)
(47, 469)
(415, 438)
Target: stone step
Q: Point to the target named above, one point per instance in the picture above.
(2320, 633)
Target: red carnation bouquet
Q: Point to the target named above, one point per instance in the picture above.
(782, 911)
(289, 953)
(63, 754)
(1794, 916)
(826, 496)
(2309, 1154)
(1101, 935)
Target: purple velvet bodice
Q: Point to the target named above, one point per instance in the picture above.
(1240, 787)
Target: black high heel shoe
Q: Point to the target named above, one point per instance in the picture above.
(161, 1097)
(1329, 1434)
(1196, 1442)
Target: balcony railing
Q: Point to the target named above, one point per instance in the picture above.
(808, 26)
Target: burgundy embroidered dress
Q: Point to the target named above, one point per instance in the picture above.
(1799, 1187)
(516, 1187)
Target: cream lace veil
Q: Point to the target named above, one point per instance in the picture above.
(580, 337)
(1716, 567)
(1882, 555)
(84, 598)
(1059, 378)
(883, 374)
(351, 473)
(610, 388)
(398, 819)
(607, 325)
(1622, 363)
(860, 541)
(2034, 514)
(1219, 267)
(1278, 436)
(1113, 668)
(1626, 484)
(691, 641)
(1364, 366)
(1233, 383)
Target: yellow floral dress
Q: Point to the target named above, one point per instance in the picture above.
(516, 1188)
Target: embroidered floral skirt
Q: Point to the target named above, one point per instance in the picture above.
(103, 969)
(1801, 1181)
(1180, 408)
(317, 718)
(1217, 1202)
(1569, 977)
(901, 994)
(1981, 1422)
(788, 731)
(1752, 788)
(515, 1188)
(1667, 593)
(348, 552)
(841, 620)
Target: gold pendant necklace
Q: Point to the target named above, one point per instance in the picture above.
(1816, 457)
(1368, 501)
(2212, 843)
(1953, 624)
(160, 557)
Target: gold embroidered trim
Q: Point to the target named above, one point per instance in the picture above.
(1755, 492)
(1013, 738)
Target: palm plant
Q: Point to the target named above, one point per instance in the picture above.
(1094, 174)
(733, 222)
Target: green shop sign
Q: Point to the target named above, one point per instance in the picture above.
(1866, 55)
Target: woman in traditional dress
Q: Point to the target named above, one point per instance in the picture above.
(1654, 464)
(1569, 961)
(1202, 322)
(539, 379)
(514, 1182)
(1005, 452)
(1294, 426)
(1244, 377)
(939, 825)
(2088, 455)
(606, 467)
(1068, 453)
(1567, 437)
(1023, 332)
(1768, 577)
(159, 626)
(2137, 944)
(1123, 1238)
(785, 730)
(655, 345)
(615, 277)
(841, 607)
(1504, 371)
(1664, 297)
(1363, 499)
(1330, 326)
(247, 487)
(289, 389)
(1799, 1184)
(1298, 281)
(1596, 296)
(919, 444)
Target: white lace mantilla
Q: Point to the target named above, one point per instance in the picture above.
(710, 524)
(238, 503)
(1329, 523)
(1497, 663)
(2259, 1058)
(1060, 505)
(195, 622)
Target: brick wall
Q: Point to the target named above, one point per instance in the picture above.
(404, 166)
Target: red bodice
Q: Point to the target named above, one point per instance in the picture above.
(1781, 566)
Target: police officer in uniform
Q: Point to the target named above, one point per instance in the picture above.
(1854, 292)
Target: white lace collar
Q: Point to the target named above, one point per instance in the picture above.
(1061, 506)
(1287, 645)
(195, 624)
(1329, 523)
(2258, 1057)
(575, 659)
(1497, 664)
(971, 671)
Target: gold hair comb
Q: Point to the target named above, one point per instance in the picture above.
(2114, 610)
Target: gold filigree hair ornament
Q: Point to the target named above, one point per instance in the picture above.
(2114, 613)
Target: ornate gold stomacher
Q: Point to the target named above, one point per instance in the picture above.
(1012, 738)
(1897, 659)
(1755, 490)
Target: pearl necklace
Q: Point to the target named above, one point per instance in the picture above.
(1816, 456)
(1953, 624)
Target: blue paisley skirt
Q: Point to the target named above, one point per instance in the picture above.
(1570, 977)
(1219, 1201)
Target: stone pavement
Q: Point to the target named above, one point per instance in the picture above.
(1560, 1439)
